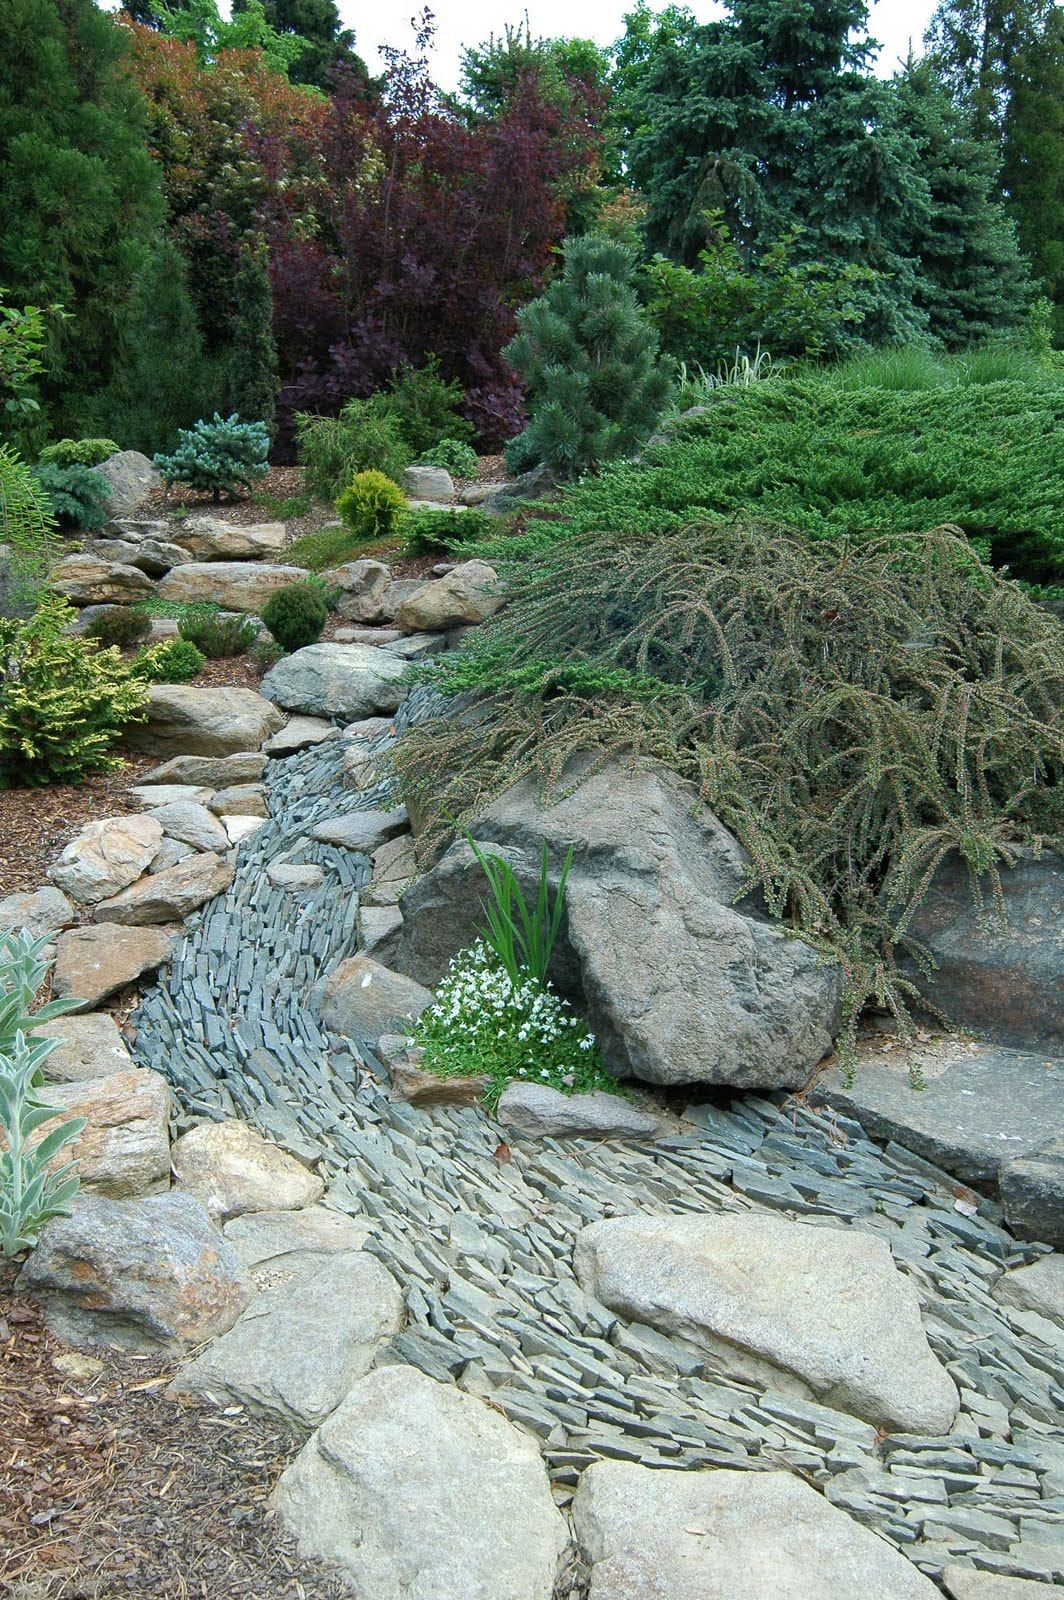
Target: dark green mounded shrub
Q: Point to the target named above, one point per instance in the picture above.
(426, 532)
(296, 615)
(77, 495)
(218, 636)
(460, 460)
(119, 625)
(219, 454)
(171, 661)
(370, 505)
(854, 711)
(983, 458)
(63, 700)
(426, 408)
(78, 452)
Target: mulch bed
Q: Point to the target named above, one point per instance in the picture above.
(35, 824)
(108, 1488)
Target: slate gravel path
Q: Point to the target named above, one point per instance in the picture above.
(480, 1238)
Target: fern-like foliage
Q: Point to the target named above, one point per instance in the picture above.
(27, 529)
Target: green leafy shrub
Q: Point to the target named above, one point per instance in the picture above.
(459, 459)
(78, 452)
(170, 661)
(30, 1194)
(219, 454)
(27, 528)
(589, 358)
(78, 495)
(425, 532)
(63, 700)
(426, 408)
(484, 1022)
(296, 615)
(119, 625)
(370, 505)
(217, 636)
(365, 437)
(854, 711)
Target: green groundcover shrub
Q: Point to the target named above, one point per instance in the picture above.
(170, 661)
(63, 700)
(831, 460)
(853, 710)
(426, 532)
(217, 636)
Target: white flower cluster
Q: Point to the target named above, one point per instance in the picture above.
(478, 996)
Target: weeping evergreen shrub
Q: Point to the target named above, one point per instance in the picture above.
(853, 710)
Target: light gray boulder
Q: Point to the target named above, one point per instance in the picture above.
(541, 1112)
(90, 1046)
(234, 585)
(209, 772)
(135, 1274)
(170, 896)
(431, 484)
(363, 1000)
(290, 875)
(469, 593)
(346, 681)
(819, 1312)
(191, 824)
(171, 851)
(284, 1243)
(301, 1346)
(153, 556)
(41, 912)
(106, 857)
(720, 1535)
(362, 585)
(682, 979)
(130, 478)
(240, 800)
(183, 720)
(213, 539)
(153, 795)
(362, 830)
(1039, 1287)
(231, 1169)
(420, 1492)
(378, 929)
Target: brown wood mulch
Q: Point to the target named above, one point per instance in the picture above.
(109, 1488)
(36, 823)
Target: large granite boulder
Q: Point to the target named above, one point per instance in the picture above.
(232, 1169)
(303, 1343)
(183, 720)
(124, 1148)
(344, 681)
(681, 980)
(153, 556)
(213, 539)
(87, 580)
(363, 1000)
(106, 857)
(362, 586)
(469, 593)
(420, 1492)
(94, 962)
(90, 1046)
(191, 823)
(362, 830)
(820, 1312)
(135, 1274)
(433, 485)
(654, 1535)
(1002, 981)
(170, 896)
(289, 1242)
(234, 585)
(130, 478)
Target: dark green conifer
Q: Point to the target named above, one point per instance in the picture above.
(253, 358)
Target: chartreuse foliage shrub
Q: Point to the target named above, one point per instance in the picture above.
(219, 454)
(589, 359)
(30, 1193)
(370, 505)
(63, 700)
(78, 496)
(819, 455)
(296, 615)
(78, 452)
(170, 661)
(853, 709)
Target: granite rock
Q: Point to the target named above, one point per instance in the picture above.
(42, 912)
(361, 1000)
(130, 478)
(184, 720)
(94, 962)
(106, 857)
(233, 585)
(124, 1149)
(470, 592)
(231, 1169)
(172, 895)
(541, 1112)
(337, 680)
(90, 1046)
(213, 539)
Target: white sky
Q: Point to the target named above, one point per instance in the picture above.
(466, 22)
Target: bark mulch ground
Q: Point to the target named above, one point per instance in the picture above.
(36, 823)
(109, 1489)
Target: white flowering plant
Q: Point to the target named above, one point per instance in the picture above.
(485, 1022)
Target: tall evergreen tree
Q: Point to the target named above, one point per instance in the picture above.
(1033, 163)
(81, 198)
(974, 45)
(253, 379)
(973, 279)
(328, 44)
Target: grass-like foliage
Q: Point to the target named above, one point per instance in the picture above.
(30, 1194)
(853, 710)
(296, 614)
(215, 635)
(821, 456)
(521, 936)
(63, 700)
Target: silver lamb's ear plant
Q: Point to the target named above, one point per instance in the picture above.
(30, 1194)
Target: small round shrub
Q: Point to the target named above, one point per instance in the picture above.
(459, 459)
(78, 452)
(119, 625)
(217, 636)
(172, 661)
(296, 615)
(370, 505)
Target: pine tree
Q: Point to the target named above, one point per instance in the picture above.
(81, 196)
(162, 380)
(253, 356)
(589, 359)
(1033, 165)
(974, 280)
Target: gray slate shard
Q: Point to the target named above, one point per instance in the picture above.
(1032, 1188)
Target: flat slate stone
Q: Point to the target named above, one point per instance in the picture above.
(965, 1583)
(983, 1104)
(362, 830)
